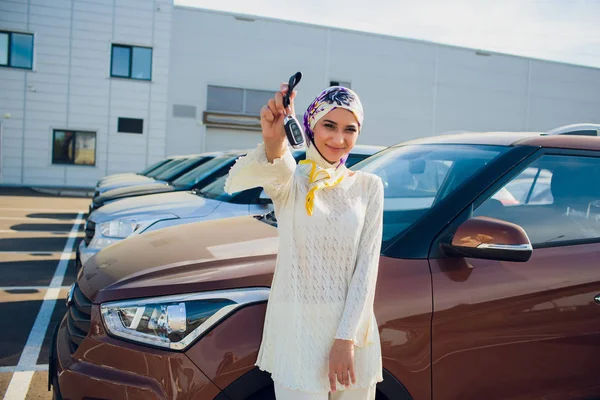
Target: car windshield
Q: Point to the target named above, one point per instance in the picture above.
(416, 177)
(216, 191)
(176, 170)
(199, 173)
(154, 166)
(165, 167)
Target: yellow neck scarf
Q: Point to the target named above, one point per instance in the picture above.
(321, 174)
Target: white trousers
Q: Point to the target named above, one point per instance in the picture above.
(284, 393)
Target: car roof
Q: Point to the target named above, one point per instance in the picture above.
(207, 154)
(575, 136)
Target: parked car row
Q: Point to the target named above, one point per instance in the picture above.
(189, 195)
(488, 283)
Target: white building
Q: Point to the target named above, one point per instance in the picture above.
(62, 103)
(197, 78)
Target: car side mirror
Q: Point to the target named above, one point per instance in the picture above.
(490, 239)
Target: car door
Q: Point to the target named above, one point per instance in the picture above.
(526, 330)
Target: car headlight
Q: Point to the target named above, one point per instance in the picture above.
(118, 228)
(123, 228)
(174, 322)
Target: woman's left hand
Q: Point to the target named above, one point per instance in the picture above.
(341, 363)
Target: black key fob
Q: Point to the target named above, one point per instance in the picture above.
(293, 130)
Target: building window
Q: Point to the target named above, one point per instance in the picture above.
(131, 62)
(236, 101)
(234, 107)
(340, 83)
(16, 50)
(74, 147)
(130, 125)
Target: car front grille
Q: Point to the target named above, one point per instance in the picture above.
(90, 230)
(78, 318)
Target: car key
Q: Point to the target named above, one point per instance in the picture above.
(293, 130)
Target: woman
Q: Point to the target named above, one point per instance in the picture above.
(320, 332)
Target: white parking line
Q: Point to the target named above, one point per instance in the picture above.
(18, 288)
(35, 368)
(53, 210)
(37, 219)
(36, 253)
(20, 381)
(22, 232)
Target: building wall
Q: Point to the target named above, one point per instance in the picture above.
(409, 89)
(70, 87)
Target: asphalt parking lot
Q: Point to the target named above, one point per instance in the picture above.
(38, 237)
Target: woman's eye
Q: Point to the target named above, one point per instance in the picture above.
(329, 126)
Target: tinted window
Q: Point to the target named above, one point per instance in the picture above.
(417, 177)
(354, 158)
(201, 172)
(556, 199)
(216, 190)
(131, 62)
(154, 166)
(165, 167)
(181, 168)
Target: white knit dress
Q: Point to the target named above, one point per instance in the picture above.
(324, 282)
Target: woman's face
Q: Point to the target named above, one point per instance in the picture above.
(335, 134)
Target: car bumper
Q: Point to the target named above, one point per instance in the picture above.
(105, 368)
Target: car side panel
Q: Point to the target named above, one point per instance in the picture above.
(403, 311)
(507, 330)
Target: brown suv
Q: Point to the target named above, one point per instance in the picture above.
(488, 288)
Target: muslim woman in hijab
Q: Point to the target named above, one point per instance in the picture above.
(320, 338)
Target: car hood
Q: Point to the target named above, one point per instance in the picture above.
(131, 179)
(126, 185)
(135, 190)
(179, 204)
(212, 255)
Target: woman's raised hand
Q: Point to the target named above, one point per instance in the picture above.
(271, 122)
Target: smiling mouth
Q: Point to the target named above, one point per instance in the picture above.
(336, 149)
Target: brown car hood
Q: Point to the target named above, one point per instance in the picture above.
(211, 255)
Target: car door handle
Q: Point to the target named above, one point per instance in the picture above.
(597, 299)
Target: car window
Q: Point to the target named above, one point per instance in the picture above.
(154, 166)
(181, 167)
(354, 158)
(165, 167)
(199, 173)
(416, 177)
(556, 200)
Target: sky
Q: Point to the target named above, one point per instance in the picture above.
(558, 30)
